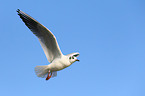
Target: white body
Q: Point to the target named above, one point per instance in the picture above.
(59, 64)
(57, 60)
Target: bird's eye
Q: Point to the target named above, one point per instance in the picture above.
(69, 57)
(72, 57)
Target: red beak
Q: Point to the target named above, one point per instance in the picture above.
(77, 60)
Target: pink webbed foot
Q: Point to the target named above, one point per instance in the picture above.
(49, 75)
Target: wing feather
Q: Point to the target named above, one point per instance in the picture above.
(46, 38)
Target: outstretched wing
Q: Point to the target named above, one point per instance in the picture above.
(46, 38)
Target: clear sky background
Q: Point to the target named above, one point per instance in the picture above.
(108, 34)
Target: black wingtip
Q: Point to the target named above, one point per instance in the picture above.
(18, 10)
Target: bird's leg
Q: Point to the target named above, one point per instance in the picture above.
(49, 75)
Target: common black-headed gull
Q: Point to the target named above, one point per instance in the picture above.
(57, 60)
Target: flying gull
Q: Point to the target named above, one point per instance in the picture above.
(57, 60)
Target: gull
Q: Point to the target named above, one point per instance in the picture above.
(49, 44)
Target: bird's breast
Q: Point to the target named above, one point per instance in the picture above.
(59, 65)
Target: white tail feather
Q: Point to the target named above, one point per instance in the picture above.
(41, 71)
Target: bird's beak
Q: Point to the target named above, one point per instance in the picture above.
(77, 60)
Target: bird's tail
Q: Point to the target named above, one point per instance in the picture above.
(42, 71)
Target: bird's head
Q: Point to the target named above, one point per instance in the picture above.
(73, 57)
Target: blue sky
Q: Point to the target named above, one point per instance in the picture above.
(108, 34)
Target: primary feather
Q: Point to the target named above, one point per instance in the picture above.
(46, 38)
